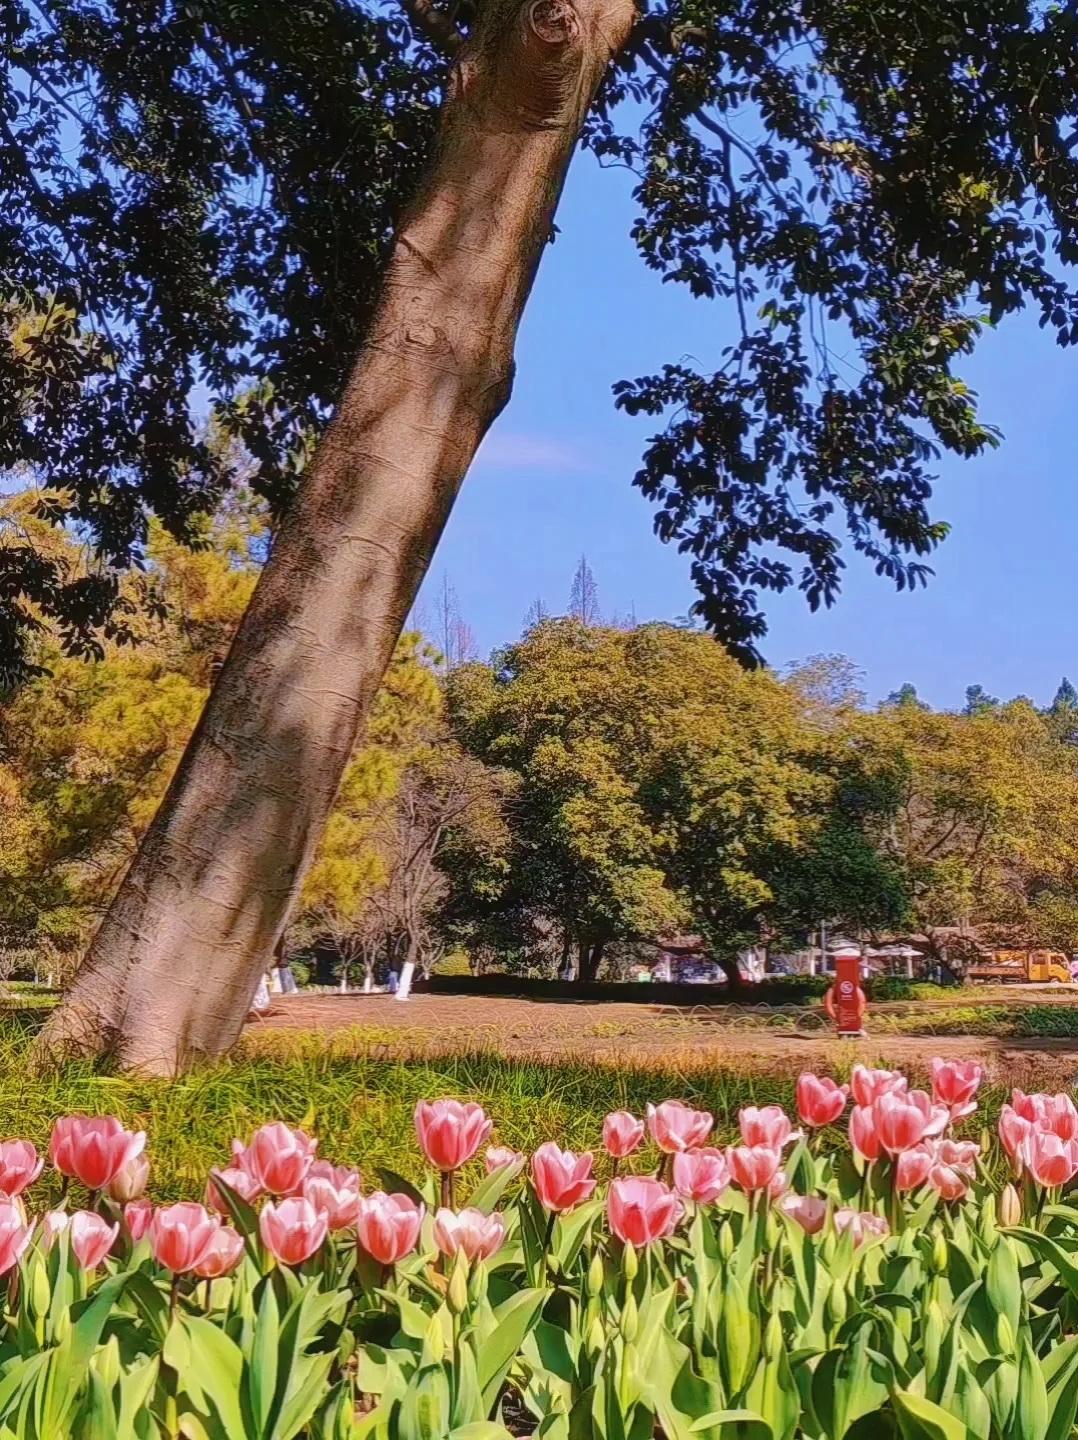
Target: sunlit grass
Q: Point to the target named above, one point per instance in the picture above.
(360, 1106)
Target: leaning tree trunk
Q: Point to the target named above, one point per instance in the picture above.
(177, 958)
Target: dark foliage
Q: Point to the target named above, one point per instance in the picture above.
(196, 200)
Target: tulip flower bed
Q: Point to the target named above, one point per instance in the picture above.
(765, 1290)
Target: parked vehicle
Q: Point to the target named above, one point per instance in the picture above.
(1024, 966)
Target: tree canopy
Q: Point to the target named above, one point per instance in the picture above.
(197, 203)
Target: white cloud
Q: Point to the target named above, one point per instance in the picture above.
(509, 451)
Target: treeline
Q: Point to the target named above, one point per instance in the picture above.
(589, 792)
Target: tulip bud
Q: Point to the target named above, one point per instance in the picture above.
(595, 1275)
(477, 1285)
(837, 1307)
(771, 1231)
(1004, 1335)
(457, 1295)
(630, 1262)
(939, 1255)
(773, 1341)
(61, 1328)
(434, 1340)
(726, 1242)
(988, 1224)
(933, 1337)
(630, 1319)
(596, 1338)
(39, 1294)
(1009, 1206)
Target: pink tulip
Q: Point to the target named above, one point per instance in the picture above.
(138, 1214)
(701, 1175)
(1014, 1130)
(131, 1180)
(224, 1254)
(335, 1191)
(53, 1223)
(622, 1133)
(450, 1133)
(388, 1226)
(780, 1183)
(1050, 1160)
(236, 1178)
(478, 1235)
(959, 1155)
(863, 1223)
(641, 1211)
(868, 1085)
(809, 1211)
(948, 1183)
(14, 1234)
(820, 1101)
(92, 1237)
(20, 1165)
(292, 1230)
(278, 1158)
(753, 1167)
(1029, 1107)
(955, 1083)
(903, 1118)
(561, 1179)
(93, 1150)
(864, 1136)
(676, 1127)
(1060, 1117)
(769, 1127)
(180, 1235)
(499, 1157)
(912, 1167)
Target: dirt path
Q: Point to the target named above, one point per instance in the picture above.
(623, 1034)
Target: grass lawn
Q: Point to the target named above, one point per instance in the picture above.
(361, 1107)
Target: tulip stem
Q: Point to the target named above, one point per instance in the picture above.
(209, 1295)
(660, 1174)
(449, 1189)
(173, 1297)
(614, 1168)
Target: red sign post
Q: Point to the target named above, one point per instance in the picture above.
(845, 1001)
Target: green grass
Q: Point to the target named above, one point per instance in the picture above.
(1004, 1021)
(360, 1107)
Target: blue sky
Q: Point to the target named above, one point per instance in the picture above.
(553, 480)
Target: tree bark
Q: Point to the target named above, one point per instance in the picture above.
(175, 962)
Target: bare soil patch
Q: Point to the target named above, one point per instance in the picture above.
(640, 1036)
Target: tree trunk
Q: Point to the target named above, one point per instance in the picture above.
(175, 962)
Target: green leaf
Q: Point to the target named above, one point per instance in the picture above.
(920, 1419)
(758, 1428)
(1031, 1406)
(480, 1430)
(492, 1187)
(99, 1414)
(1003, 1284)
(571, 1231)
(424, 1411)
(1060, 1369)
(215, 1370)
(514, 1319)
(262, 1370)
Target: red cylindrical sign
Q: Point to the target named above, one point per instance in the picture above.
(849, 997)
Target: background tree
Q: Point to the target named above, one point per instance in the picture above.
(584, 595)
(985, 812)
(660, 786)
